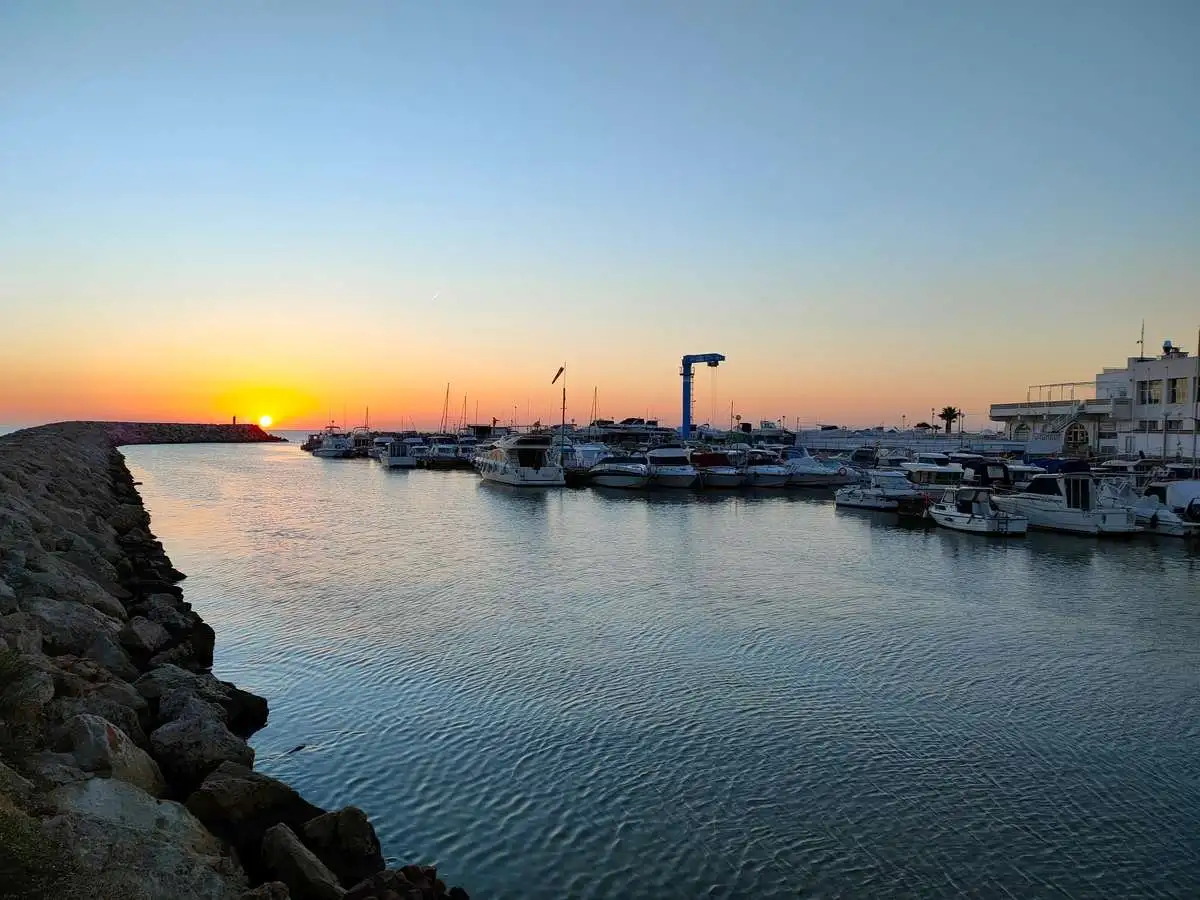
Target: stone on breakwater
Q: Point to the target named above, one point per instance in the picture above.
(295, 865)
(240, 805)
(346, 842)
(140, 635)
(68, 626)
(137, 848)
(101, 747)
(407, 883)
(167, 687)
(21, 632)
(195, 743)
(271, 890)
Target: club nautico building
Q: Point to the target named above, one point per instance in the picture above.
(1148, 406)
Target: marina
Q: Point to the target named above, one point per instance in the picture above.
(733, 683)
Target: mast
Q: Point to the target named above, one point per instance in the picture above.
(444, 424)
(562, 433)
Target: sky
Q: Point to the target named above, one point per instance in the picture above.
(872, 209)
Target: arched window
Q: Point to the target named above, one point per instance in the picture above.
(1021, 431)
(1076, 437)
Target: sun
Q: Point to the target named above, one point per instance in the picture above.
(265, 421)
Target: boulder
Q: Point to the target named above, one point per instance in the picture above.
(21, 632)
(168, 612)
(105, 650)
(244, 712)
(142, 636)
(272, 890)
(194, 744)
(408, 883)
(35, 689)
(105, 703)
(13, 785)
(128, 516)
(66, 626)
(53, 770)
(60, 583)
(346, 842)
(295, 865)
(239, 805)
(135, 847)
(101, 747)
(8, 599)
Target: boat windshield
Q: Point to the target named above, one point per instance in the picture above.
(670, 459)
(893, 482)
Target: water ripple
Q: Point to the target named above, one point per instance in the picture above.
(598, 695)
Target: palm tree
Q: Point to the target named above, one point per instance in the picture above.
(948, 415)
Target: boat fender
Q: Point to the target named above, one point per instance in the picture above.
(842, 471)
(1154, 521)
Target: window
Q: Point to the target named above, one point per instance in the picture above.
(1043, 486)
(1149, 425)
(1177, 390)
(1174, 425)
(1142, 393)
(1155, 391)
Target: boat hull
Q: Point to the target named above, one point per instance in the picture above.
(398, 462)
(628, 482)
(767, 477)
(1096, 522)
(1003, 524)
(326, 453)
(731, 479)
(662, 480)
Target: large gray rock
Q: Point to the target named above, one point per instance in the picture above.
(140, 635)
(8, 599)
(35, 689)
(58, 581)
(240, 805)
(67, 626)
(295, 865)
(194, 744)
(105, 650)
(13, 785)
(272, 890)
(167, 688)
(346, 842)
(101, 747)
(52, 770)
(167, 611)
(107, 703)
(21, 632)
(135, 847)
(127, 517)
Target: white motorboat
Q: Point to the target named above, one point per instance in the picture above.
(443, 455)
(933, 479)
(335, 446)
(626, 472)
(379, 447)
(522, 460)
(717, 470)
(765, 470)
(972, 510)
(395, 455)
(883, 489)
(670, 468)
(577, 459)
(805, 470)
(1072, 502)
(1164, 507)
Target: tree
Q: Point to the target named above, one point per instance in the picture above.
(949, 415)
(923, 426)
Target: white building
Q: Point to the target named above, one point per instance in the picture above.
(1149, 407)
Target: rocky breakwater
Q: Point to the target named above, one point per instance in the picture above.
(124, 767)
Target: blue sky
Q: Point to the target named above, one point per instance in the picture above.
(786, 180)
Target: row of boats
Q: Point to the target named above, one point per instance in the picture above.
(963, 491)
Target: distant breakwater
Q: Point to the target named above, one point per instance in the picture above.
(124, 767)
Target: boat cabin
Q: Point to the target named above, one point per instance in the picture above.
(1077, 488)
(926, 476)
(970, 501)
(987, 473)
(711, 460)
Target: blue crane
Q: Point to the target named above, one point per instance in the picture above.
(712, 360)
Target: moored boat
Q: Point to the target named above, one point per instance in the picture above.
(627, 472)
(717, 470)
(883, 489)
(805, 470)
(1071, 502)
(522, 460)
(973, 510)
(765, 470)
(395, 455)
(670, 468)
(335, 446)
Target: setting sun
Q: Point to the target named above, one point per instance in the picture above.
(265, 421)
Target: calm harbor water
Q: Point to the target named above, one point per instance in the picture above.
(574, 693)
